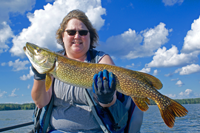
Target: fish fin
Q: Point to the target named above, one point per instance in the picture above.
(141, 103)
(174, 109)
(153, 80)
(48, 81)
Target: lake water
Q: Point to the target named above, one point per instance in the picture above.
(14, 117)
(152, 122)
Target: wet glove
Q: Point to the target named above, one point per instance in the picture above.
(104, 86)
(37, 76)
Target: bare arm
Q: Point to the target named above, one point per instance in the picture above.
(39, 94)
(108, 60)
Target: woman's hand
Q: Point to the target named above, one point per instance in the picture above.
(104, 87)
(38, 76)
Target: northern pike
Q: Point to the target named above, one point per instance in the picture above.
(139, 86)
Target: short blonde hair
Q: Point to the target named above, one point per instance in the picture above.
(83, 18)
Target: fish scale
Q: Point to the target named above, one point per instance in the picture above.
(139, 86)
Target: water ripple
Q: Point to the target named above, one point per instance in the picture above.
(153, 123)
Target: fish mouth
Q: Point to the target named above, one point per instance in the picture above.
(31, 48)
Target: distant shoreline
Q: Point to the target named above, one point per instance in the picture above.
(12, 106)
(31, 106)
(182, 101)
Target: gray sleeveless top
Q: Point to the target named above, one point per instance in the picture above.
(71, 112)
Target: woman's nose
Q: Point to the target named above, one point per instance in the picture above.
(77, 35)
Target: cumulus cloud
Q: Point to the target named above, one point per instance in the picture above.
(2, 93)
(45, 22)
(171, 57)
(179, 83)
(189, 69)
(188, 93)
(14, 6)
(155, 72)
(146, 70)
(189, 53)
(17, 65)
(28, 76)
(192, 39)
(172, 2)
(151, 38)
(171, 95)
(5, 34)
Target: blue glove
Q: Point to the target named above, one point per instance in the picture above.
(37, 76)
(104, 86)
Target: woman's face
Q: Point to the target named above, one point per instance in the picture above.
(76, 45)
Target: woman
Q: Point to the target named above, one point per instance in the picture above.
(72, 111)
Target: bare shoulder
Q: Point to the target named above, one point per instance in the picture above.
(107, 60)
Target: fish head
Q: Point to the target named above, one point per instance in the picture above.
(42, 59)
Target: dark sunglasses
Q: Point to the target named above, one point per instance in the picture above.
(73, 32)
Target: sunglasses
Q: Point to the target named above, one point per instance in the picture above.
(73, 32)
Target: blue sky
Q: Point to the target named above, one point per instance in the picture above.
(159, 37)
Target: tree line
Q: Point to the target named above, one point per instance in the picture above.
(30, 106)
(182, 101)
(10, 106)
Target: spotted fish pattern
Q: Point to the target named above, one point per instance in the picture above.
(139, 86)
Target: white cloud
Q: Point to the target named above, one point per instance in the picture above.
(154, 38)
(128, 44)
(5, 34)
(188, 93)
(179, 83)
(17, 65)
(189, 69)
(13, 93)
(3, 64)
(172, 2)
(171, 57)
(192, 39)
(14, 6)
(2, 93)
(189, 52)
(45, 22)
(129, 38)
(146, 70)
(171, 95)
(28, 76)
(155, 72)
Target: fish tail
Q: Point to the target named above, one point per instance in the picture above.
(170, 110)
